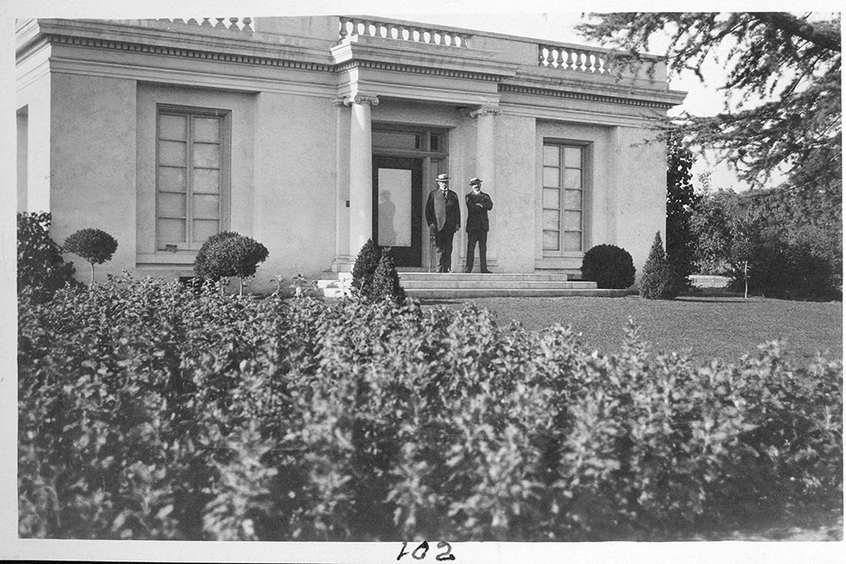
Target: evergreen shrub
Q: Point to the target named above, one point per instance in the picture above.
(609, 266)
(147, 411)
(94, 245)
(41, 268)
(657, 282)
(386, 282)
(228, 254)
(365, 267)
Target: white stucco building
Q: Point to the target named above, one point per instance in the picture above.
(312, 134)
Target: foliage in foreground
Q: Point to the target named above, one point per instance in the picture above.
(146, 411)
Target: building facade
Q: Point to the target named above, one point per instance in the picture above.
(313, 134)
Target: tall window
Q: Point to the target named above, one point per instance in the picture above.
(192, 176)
(563, 198)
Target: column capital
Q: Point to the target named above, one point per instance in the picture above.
(486, 110)
(361, 99)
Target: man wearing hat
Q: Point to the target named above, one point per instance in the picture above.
(478, 205)
(443, 215)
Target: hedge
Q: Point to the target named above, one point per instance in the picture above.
(149, 412)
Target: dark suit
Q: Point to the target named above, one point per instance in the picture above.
(443, 215)
(477, 228)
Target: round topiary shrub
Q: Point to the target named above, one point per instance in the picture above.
(94, 245)
(657, 281)
(609, 266)
(228, 254)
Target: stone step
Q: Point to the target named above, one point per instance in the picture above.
(469, 293)
(447, 282)
(479, 277)
(431, 285)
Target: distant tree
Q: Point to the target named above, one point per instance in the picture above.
(784, 70)
(742, 251)
(712, 232)
(681, 199)
(656, 283)
(94, 245)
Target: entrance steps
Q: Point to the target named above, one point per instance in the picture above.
(431, 285)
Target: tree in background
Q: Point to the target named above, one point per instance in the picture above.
(680, 202)
(783, 69)
(94, 245)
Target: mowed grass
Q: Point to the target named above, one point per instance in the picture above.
(704, 327)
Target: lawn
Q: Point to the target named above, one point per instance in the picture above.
(703, 326)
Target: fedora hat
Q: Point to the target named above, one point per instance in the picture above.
(443, 177)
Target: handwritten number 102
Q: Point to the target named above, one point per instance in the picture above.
(419, 553)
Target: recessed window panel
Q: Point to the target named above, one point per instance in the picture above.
(551, 219)
(190, 179)
(551, 198)
(573, 241)
(206, 206)
(172, 153)
(206, 155)
(172, 179)
(171, 205)
(573, 199)
(572, 178)
(170, 230)
(203, 229)
(550, 240)
(207, 180)
(572, 221)
(551, 155)
(173, 127)
(563, 198)
(573, 157)
(206, 130)
(551, 176)
(396, 139)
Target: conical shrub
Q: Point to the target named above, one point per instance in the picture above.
(386, 283)
(365, 266)
(657, 280)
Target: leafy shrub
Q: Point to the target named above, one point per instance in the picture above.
(609, 266)
(147, 411)
(797, 269)
(365, 267)
(228, 254)
(657, 282)
(385, 282)
(41, 268)
(94, 245)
